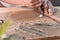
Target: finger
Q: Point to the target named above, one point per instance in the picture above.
(46, 7)
(50, 12)
(32, 1)
(46, 3)
(38, 5)
(51, 9)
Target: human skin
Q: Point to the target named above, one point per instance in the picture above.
(22, 2)
(32, 3)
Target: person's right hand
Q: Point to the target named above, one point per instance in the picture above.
(31, 3)
(28, 3)
(50, 9)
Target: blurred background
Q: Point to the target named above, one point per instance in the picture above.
(55, 2)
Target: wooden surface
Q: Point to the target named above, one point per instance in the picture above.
(29, 16)
(18, 14)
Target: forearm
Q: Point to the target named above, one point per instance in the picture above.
(19, 2)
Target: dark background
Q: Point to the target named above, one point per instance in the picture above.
(55, 2)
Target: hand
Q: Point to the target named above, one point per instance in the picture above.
(32, 3)
(29, 3)
(49, 9)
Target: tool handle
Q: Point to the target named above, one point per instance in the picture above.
(53, 17)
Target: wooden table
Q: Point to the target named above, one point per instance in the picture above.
(20, 16)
